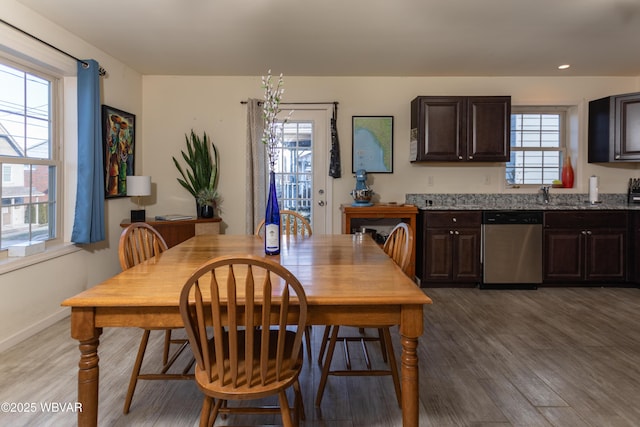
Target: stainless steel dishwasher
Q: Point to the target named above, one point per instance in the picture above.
(512, 249)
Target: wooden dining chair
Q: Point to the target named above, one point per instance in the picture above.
(291, 224)
(236, 311)
(139, 242)
(399, 246)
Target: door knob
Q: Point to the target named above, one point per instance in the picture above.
(321, 203)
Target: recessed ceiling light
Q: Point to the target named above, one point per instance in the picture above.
(563, 66)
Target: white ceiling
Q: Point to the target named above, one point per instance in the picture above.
(359, 37)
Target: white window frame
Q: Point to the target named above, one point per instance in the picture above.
(562, 149)
(64, 74)
(17, 48)
(54, 159)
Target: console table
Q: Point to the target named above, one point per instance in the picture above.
(175, 232)
(383, 214)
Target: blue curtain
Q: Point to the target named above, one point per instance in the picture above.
(88, 224)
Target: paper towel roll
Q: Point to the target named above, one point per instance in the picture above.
(593, 189)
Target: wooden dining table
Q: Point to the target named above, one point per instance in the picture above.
(348, 280)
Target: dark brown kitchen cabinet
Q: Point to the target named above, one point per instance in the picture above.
(448, 248)
(460, 128)
(614, 129)
(634, 247)
(585, 247)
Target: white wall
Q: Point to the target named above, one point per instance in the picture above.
(31, 296)
(174, 105)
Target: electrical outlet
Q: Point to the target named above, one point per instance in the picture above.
(430, 181)
(487, 180)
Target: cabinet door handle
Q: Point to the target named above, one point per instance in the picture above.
(470, 157)
(456, 232)
(450, 231)
(589, 232)
(459, 157)
(583, 232)
(321, 203)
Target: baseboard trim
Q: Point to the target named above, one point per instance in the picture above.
(34, 328)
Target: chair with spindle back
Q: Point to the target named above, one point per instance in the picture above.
(291, 224)
(236, 310)
(398, 246)
(138, 243)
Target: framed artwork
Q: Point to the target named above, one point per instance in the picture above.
(118, 146)
(372, 144)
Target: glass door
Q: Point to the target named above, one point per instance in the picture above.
(302, 177)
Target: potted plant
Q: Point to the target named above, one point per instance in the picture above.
(206, 202)
(201, 177)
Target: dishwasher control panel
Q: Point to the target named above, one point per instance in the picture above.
(512, 217)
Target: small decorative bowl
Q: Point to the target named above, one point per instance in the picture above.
(362, 196)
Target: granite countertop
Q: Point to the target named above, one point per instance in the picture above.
(518, 202)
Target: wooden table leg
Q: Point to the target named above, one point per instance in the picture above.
(83, 329)
(409, 374)
(410, 330)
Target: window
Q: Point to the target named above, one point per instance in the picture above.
(537, 145)
(294, 168)
(29, 158)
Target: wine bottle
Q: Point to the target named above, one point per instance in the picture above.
(272, 220)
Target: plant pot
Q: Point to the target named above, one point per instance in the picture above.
(205, 211)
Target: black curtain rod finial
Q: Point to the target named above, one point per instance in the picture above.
(101, 71)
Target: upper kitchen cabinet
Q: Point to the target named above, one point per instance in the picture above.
(614, 129)
(460, 128)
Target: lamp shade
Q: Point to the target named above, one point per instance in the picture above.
(138, 185)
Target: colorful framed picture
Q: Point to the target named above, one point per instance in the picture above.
(372, 144)
(118, 146)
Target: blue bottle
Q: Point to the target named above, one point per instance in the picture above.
(272, 220)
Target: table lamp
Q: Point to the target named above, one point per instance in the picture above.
(138, 186)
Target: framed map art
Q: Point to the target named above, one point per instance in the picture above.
(372, 144)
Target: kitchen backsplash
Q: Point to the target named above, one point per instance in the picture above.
(506, 200)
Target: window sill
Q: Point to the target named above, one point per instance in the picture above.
(8, 265)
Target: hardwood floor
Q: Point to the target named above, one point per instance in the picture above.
(549, 357)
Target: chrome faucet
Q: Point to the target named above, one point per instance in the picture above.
(545, 193)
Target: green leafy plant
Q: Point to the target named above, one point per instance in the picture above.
(202, 173)
(207, 197)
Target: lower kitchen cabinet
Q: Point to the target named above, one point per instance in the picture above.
(633, 267)
(448, 248)
(585, 247)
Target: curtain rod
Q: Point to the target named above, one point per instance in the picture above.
(301, 103)
(101, 71)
